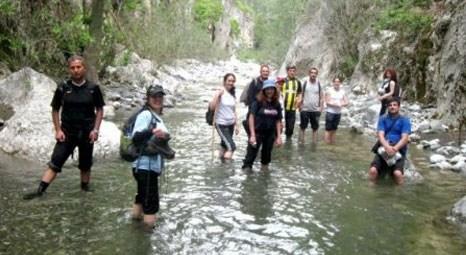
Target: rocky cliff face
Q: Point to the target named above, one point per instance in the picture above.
(431, 69)
(224, 35)
(310, 46)
(447, 66)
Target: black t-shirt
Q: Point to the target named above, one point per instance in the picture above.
(266, 115)
(78, 105)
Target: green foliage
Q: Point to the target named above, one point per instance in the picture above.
(207, 12)
(235, 29)
(7, 8)
(348, 64)
(170, 34)
(408, 20)
(132, 5)
(71, 34)
(275, 25)
(244, 7)
(407, 17)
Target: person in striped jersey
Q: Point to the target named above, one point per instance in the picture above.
(291, 92)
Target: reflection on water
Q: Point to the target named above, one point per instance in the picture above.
(315, 199)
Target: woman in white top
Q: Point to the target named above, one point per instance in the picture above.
(335, 99)
(225, 118)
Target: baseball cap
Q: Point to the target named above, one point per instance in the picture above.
(155, 90)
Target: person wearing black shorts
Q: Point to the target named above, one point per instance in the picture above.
(81, 103)
(335, 99)
(311, 105)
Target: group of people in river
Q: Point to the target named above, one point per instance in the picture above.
(271, 100)
(77, 112)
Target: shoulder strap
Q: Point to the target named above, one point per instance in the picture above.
(391, 127)
(320, 99)
(304, 88)
(63, 87)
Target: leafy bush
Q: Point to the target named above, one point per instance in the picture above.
(171, 33)
(409, 17)
(234, 26)
(207, 12)
(275, 25)
(405, 19)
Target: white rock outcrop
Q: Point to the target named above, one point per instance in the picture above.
(29, 132)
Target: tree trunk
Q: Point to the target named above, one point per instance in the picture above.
(95, 29)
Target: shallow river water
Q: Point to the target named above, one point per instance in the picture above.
(315, 199)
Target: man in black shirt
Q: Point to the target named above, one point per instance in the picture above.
(256, 85)
(81, 103)
(253, 89)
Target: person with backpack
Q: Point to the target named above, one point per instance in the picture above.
(291, 91)
(147, 168)
(249, 94)
(311, 105)
(264, 126)
(393, 131)
(389, 88)
(335, 99)
(224, 106)
(81, 103)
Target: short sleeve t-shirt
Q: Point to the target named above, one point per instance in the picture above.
(78, 104)
(266, 115)
(401, 126)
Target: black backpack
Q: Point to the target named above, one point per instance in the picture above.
(209, 116)
(128, 150)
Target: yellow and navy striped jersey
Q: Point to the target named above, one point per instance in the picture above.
(290, 91)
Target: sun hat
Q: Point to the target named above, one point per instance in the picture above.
(268, 84)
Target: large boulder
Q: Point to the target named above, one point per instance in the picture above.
(458, 212)
(29, 132)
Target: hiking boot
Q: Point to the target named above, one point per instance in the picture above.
(160, 146)
(32, 195)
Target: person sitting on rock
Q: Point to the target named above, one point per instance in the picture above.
(393, 131)
(81, 103)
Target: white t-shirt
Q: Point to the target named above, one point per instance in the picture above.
(226, 110)
(335, 97)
